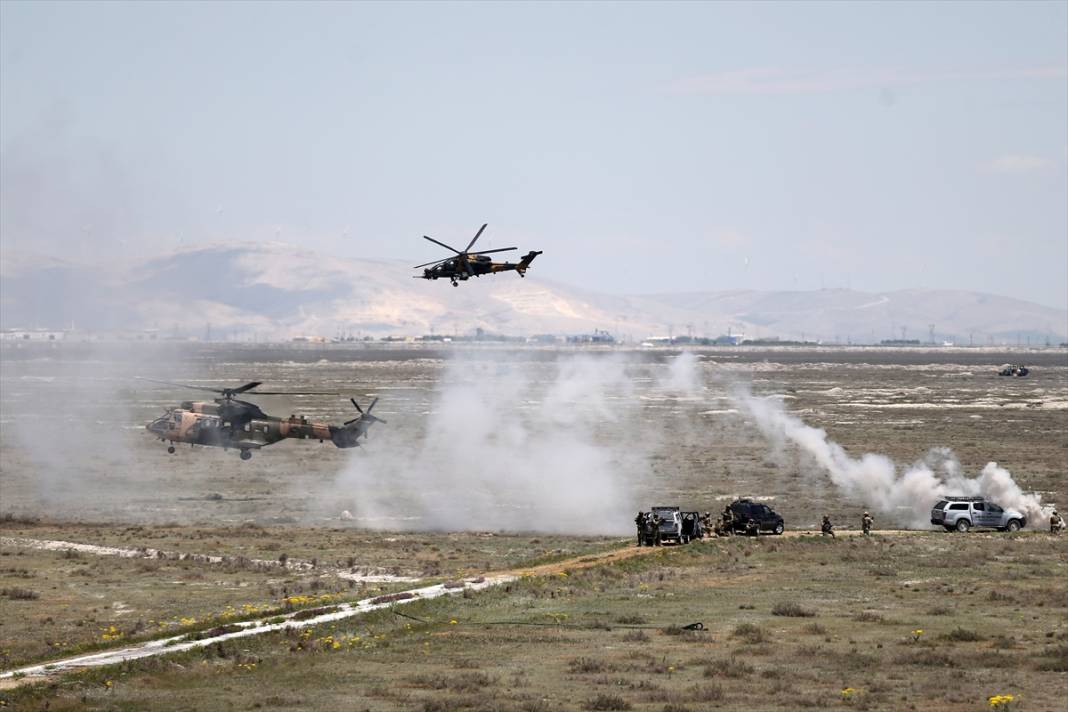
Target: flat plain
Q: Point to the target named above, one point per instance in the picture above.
(199, 540)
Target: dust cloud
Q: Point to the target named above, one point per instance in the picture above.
(519, 446)
(74, 425)
(905, 496)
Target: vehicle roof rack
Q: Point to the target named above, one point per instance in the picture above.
(963, 499)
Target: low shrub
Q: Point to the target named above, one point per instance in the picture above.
(750, 633)
(729, 667)
(607, 702)
(962, 635)
(791, 610)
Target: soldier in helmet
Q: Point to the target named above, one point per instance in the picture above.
(654, 522)
(706, 524)
(866, 523)
(751, 527)
(1056, 523)
(728, 520)
(827, 529)
(639, 521)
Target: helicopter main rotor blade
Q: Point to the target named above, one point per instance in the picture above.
(435, 262)
(357, 405)
(246, 387)
(294, 393)
(371, 407)
(499, 249)
(181, 385)
(439, 242)
(473, 239)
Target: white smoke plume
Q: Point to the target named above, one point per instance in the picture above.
(508, 447)
(904, 496)
(683, 375)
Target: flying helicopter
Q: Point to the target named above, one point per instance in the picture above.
(466, 264)
(228, 422)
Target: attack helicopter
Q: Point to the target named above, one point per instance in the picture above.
(229, 422)
(466, 264)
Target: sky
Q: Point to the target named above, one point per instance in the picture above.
(644, 148)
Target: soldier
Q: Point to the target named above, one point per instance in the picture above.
(751, 528)
(639, 521)
(866, 522)
(1056, 523)
(706, 524)
(827, 528)
(655, 522)
(728, 520)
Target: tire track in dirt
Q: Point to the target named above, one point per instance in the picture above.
(365, 575)
(163, 646)
(174, 644)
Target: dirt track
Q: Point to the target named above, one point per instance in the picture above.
(34, 673)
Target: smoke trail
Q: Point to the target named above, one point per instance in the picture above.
(874, 480)
(511, 448)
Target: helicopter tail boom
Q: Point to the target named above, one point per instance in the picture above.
(525, 262)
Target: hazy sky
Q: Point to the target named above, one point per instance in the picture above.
(643, 147)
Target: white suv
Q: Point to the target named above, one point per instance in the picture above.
(963, 513)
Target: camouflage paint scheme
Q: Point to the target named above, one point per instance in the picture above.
(242, 425)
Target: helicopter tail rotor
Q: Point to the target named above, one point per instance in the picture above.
(348, 435)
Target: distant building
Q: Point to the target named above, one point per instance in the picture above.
(597, 337)
(31, 335)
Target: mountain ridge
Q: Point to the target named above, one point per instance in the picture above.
(279, 290)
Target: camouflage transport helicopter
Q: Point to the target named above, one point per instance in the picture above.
(468, 264)
(228, 422)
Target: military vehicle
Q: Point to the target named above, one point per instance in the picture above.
(230, 423)
(692, 527)
(765, 518)
(466, 264)
(1014, 369)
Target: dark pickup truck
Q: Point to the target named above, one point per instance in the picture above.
(765, 518)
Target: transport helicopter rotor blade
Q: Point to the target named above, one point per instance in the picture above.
(180, 385)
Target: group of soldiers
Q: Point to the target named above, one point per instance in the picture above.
(725, 525)
(648, 524)
(866, 523)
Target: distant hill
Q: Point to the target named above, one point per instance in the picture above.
(275, 291)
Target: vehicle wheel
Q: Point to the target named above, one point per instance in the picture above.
(779, 528)
(171, 449)
(1013, 526)
(963, 525)
(245, 454)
